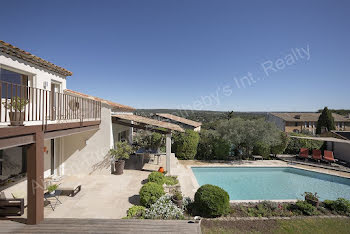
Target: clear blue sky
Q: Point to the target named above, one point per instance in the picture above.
(174, 54)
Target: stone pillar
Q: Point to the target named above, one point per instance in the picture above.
(35, 180)
(168, 153)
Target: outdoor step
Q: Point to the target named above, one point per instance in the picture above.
(102, 226)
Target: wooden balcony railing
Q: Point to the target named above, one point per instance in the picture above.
(39, 106)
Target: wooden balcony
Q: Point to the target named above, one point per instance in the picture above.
(34, 106)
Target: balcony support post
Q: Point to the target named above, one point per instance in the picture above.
(35, 180)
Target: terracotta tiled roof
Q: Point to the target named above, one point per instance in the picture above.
(180, 119)
(13, 51)
(306, 117)
(112, 104)
(148, 121)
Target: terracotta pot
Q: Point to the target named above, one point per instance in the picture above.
(161, 169)
(119, 167)
(179, 203)
(16, 118)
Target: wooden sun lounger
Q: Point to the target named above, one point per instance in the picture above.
(11, 206)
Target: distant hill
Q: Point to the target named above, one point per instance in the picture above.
(204, 116)
(343, 112)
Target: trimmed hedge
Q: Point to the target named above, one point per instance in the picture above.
(156, 177)
(211, 201)
(150, 193)
(295, 144)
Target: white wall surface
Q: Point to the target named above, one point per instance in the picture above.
(38, 74)
(87, 152)
(341, 150)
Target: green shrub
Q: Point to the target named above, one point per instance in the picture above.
(136, 212)
(261, 149)
(281, 147)
(150, 193)
(211, 201)
(164, 208)
(156, 177)
(170, 180)
(205, 146)
(305, 208)
(341, 206)
(212, 147)
(185, 144)
(295, 144)
(221, 149)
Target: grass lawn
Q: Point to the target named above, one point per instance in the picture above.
(304, 225)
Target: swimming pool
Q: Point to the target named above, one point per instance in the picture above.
(272, 183)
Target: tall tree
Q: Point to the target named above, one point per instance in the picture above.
(326, 121)
(245, 134)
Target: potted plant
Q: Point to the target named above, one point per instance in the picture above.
(312, 199)
(52, 188)
(121, 152)
(16, 106)
(177, 198)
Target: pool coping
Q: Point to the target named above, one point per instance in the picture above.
(196, 184)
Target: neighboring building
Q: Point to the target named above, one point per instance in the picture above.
(64, 131)
(185, 123)
(298, 122)
(340, 149)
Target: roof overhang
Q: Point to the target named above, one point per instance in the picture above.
(13, 51)
(146, 123)
(180, 119)
(330, 139)
(113, 105)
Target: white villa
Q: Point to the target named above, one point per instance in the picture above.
(64, 132)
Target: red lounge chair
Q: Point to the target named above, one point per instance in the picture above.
(317, 155)
(328, 156)
(304, 153)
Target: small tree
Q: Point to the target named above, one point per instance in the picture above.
(325, 120)
(122, 151)
(185, 144)
(281, 147)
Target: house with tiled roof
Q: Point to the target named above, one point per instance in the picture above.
(48, 130)
(304, 121)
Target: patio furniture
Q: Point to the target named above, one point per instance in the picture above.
(317, 155)
(255, 157)
(304, 153)
(55, 195)
(328, 156)
(11, 206)
(70, 188)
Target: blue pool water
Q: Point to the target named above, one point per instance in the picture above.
(271, 183)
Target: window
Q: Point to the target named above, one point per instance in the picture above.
(122, 136)
(296, 124)
(9, 77)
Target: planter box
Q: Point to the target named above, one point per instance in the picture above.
(171, 188)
